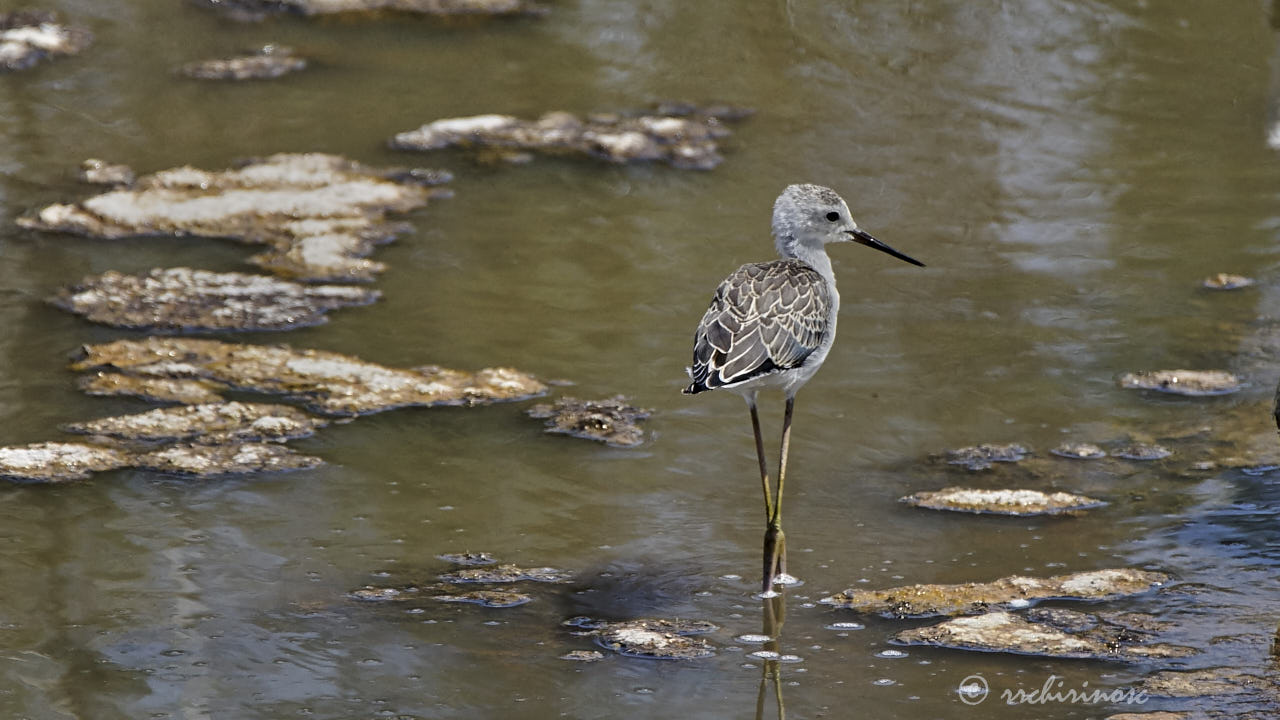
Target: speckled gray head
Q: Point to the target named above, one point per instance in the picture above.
(806, 217)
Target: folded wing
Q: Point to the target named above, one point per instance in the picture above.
(764, 318)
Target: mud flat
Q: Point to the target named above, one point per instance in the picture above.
(1019, 502)
(1012, 591)
(683, 137)
(320, 216)
(327, 383)
(185, 300)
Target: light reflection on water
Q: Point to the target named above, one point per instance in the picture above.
(1069, 173)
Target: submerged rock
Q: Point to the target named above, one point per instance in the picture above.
(258, 9)
(326, 382)
(655, 638)
(1194, 383)
(687, 140)
(1015, 590)
(209, 461)
(320, 215)
(269, 61)
(980, 457)
(183, 299)
(1144, 452)
(1079, 451)
(469, 559)
(100, 172)
(1002, 502)
(30, 36)
(583, 655)
(486, 598)
(1226, 281)
(58, 461)
(506, 574)
(220, 422)
(1211, 682)
(1007, 632)
(612, 422)
(369, 593)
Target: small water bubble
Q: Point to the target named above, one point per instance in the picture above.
(846, 626)
(643, 691)
(415, 611)
(749, 666)
(790, 658)
(445, 507)
(731, 576)
(884, 682)
(808, 605)
(753, 638)
(891, 654)
(492, 622)
(764, 655)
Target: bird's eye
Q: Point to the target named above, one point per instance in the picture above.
(833, 216)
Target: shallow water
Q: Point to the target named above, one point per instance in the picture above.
(1069, 172)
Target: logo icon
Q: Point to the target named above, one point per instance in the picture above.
(973, 690)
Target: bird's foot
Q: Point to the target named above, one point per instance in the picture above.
(786, 580)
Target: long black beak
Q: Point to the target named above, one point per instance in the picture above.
(861, 236)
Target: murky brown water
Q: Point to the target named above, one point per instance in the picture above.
(1069, 171)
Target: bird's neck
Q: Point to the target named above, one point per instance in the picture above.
(814, 257)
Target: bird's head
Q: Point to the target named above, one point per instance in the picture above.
(811, 216)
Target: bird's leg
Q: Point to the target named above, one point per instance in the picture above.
(764, 468)
(775, 518)
(770, 510)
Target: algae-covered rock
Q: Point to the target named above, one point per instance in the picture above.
(980, 457)
(200, 460)
(1015, 590)
(58, 461)
(30, 36)
(486, 598)
(219, 422)
(656, 638)
(506, 574)
(258, 9)
(269, 61)
(687, 140)
(157, 389)
(320, 215)
(1007, 632)
(612, 422)
(326, 382)
(1079, 451)
(183, 299)
(1193, 383)
(1002, 502)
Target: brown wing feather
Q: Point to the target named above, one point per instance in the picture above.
(765, 317)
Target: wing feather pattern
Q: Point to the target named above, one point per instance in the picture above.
(765, 317)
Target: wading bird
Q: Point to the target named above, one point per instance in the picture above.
(771, 324)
